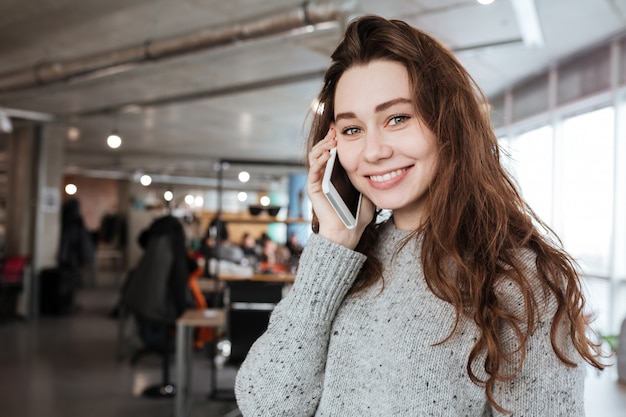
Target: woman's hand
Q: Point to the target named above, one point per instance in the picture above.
(330, 225)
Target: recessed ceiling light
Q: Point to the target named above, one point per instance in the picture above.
(244, 176)
(73, 133)
(71, 189)
(145, 180)
(114, 141)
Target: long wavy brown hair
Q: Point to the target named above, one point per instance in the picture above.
(476, 221)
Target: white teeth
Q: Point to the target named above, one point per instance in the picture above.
(387, 176)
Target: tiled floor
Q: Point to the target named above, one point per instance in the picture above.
(67, 367)
(604, 396)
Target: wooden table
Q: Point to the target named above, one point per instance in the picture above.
(184, 325)
(259, 277)
(210, 285)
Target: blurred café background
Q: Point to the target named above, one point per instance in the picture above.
(197, 110)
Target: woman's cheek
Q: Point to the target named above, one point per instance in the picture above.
(348, 156)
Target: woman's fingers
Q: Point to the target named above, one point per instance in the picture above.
(318, 157)
(322, 147)
(330, 225)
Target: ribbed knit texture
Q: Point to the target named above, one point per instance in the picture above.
(376, 353)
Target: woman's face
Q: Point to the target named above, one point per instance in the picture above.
(389, 155)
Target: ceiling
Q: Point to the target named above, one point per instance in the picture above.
(187, 83)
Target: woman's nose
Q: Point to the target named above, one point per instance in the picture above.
(376, 147)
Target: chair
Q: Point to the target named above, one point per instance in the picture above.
(11, 284)
(250, 304)
(155, 294)
(158, 338)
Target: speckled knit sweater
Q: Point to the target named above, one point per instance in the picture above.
(328, 354)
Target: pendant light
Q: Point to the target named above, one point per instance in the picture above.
(114, 140)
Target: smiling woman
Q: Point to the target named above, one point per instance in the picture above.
(389, 154)
(456, 305)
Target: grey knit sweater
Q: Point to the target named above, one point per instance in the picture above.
(376, 354)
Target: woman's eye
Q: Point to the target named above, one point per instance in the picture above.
(350, 131)
(398, 119)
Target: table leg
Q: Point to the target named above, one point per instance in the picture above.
(121, 330)
(212, 367)
(182, 370)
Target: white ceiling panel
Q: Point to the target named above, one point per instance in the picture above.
(250, 98)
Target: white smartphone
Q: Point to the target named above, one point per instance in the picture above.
(343, 197)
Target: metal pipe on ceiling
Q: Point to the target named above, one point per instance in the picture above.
(103, 64)
(136, 106)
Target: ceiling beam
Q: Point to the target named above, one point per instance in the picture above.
(292, 21)
(136, 106)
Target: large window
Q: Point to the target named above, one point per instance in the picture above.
(566, 173)
(531, 164)
(570, 185)
(572, 170)
(586, 189)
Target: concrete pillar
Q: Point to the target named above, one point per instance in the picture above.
(35, 167)
(21, 197)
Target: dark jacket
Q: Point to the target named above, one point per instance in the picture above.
(76, 247)
(157, 288)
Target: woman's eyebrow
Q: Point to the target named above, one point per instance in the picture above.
(384, 106)
(346, 115)
(381, 107)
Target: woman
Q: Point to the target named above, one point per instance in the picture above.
(457, 305)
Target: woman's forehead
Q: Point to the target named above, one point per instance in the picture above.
(368, 86)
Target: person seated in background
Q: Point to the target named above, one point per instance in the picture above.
(248, 245)
(216, 246)
(295, 250)
(193, 231)
(274, 258)
(269, 251)
(294, 246)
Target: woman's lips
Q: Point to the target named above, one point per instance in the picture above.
(388, 176)
(388, 179)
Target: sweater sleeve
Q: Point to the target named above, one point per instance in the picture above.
(544, 386)
(283, 372)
